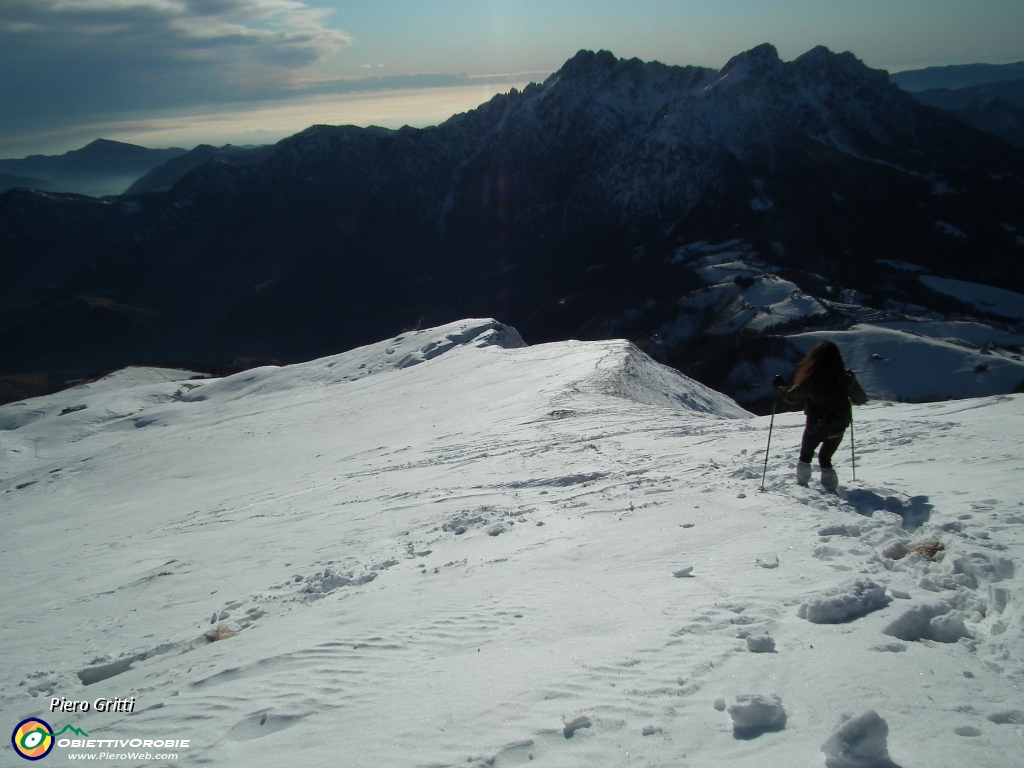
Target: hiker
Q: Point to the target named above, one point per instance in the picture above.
(826, 388)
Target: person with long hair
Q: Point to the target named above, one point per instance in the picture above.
(826, 388)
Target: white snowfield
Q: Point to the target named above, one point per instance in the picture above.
(984, 298)
(452, 549)
(905, 360)
(892, 363)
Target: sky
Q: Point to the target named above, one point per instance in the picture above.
(184, 72)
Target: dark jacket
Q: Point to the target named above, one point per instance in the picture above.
(828, 414)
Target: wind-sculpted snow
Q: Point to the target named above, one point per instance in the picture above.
(754, 714)
(860, 742)
(845, 603)
(123, 400)
(403, 351)
(473, 552)
(622, 369)
(631, 374)
(937, 622)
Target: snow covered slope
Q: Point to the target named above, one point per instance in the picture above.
(893, 364)
(908, 354)
(984, 298)
(452, 549)
(904, 361)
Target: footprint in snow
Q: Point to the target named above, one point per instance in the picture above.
(260, 724)
(574, 725)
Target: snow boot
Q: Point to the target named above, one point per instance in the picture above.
(829, 480)
(803, 472)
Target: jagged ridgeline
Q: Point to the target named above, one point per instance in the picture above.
(564, 210)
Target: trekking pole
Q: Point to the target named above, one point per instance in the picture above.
(771, 424)
(853, 456)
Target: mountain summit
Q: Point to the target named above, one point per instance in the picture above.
(561, 209)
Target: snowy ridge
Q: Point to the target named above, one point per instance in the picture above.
(633, 375)
(403, 351)
(121, 401)
(621, 369)
(504, 554)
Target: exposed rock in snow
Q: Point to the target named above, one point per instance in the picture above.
(600, 182)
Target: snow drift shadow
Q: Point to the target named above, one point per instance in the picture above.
(915, 511)
(939, 623)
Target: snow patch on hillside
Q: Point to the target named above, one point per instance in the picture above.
(984, 298)
(911, 360)
(894, 365)
(961, 332)
(403, 351)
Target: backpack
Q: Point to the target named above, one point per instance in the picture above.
(830, 416)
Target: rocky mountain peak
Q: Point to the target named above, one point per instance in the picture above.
(587, 63)
(821, 66)
(756, 63)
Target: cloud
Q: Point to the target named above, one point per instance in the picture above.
(389, 101)
(79, 56)
(267, 122)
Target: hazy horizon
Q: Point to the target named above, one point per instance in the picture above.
(186, 72)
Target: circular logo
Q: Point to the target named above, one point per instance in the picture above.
(33, 738)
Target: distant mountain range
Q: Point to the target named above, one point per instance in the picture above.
(979, 94)
(707, 215)
(997, 108)
(988, 96)
(10, 181)
(97, 169)
(173, 170)
(957, 76)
